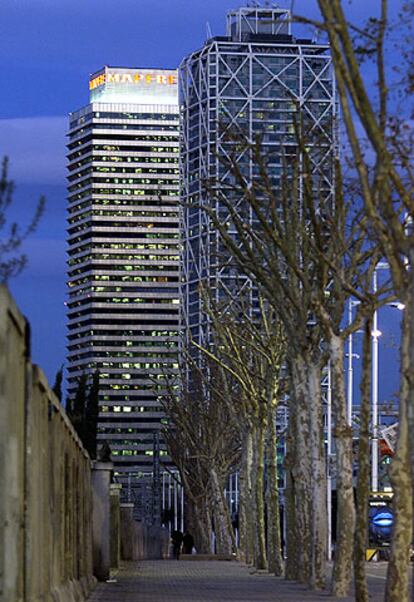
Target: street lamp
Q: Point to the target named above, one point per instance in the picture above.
(351, 356)
(397, 305)
(376, 333)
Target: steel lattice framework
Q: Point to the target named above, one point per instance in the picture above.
(252, 81)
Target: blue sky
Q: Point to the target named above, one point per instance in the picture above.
(48, 50)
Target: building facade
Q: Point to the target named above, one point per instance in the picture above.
(123, 267)
(252, 82)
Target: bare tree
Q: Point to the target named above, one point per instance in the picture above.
(250, 347)
(380, 137)
(308, 255)
(345, 262)
(203, 441)
(363, 486)
(253, 246)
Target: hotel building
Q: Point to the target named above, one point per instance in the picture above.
(251, 82)
(123, 267)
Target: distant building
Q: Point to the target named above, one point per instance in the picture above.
(254, 80)
(123, 236)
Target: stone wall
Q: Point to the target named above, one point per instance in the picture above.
(115, 525)
(45, 480)
(140, 541)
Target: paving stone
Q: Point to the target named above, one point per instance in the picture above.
(213, 581)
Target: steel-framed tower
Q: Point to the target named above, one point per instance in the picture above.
(123, 235)
(253, 81)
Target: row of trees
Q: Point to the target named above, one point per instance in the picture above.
(306, 253)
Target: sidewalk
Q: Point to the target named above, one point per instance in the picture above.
(213, 581)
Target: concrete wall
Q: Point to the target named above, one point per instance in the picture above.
(115, 525)
(101, 542)
(45, 477)
(140, 541)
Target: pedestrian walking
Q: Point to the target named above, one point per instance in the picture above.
(177, 540)
(188, 543)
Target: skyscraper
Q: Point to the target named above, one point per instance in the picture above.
(253, 81)
(123, 237)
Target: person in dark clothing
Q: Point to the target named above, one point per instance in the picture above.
(177, 540)
(188, 543)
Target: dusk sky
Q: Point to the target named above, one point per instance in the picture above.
(49, 48)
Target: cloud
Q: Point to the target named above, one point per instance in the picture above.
(36, 148)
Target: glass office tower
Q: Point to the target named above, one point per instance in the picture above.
(123, 237)
(253, 81)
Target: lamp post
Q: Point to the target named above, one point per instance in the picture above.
(376, 333)
(374, 393)
(351, 356)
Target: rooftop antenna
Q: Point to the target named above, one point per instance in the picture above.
(208, 30)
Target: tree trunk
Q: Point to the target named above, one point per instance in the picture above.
(260, 559)
(364, 464)
(246, 515)
(221, 515)
(397, 587)
(345, 523)
(199, 524)
(301, 470)
(241, 552)
(289, 515)
(274, 540)
(409, 373)
(319, 511)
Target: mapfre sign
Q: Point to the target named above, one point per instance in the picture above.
(134, 77)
